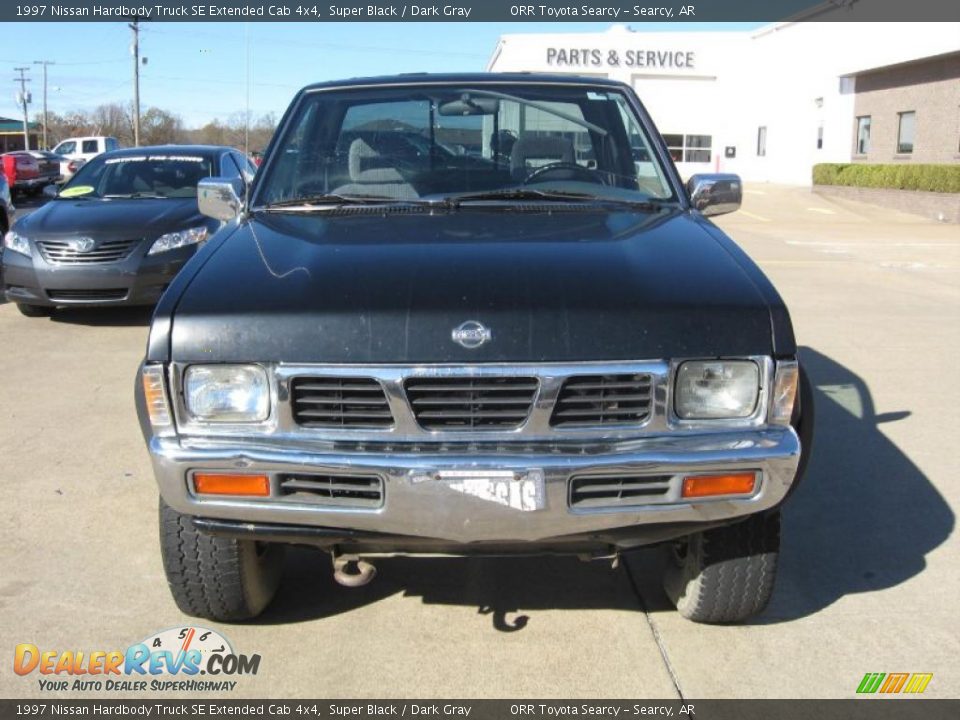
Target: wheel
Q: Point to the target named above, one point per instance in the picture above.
(725, 574)
(213, 577)
(34, 310)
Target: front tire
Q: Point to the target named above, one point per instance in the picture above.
(217, 578)
(725, 574)
(34, 311)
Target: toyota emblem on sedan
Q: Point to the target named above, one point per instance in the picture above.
(471, 334)
(81, 244)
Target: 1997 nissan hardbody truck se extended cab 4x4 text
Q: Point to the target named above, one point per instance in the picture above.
(471, 314)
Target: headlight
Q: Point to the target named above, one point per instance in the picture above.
(174, 240)
(714, 389)
(17, 243)
(227, 393)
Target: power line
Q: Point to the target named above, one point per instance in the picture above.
(267, 40)
(135, 26)
(24, 98)
(44, 64)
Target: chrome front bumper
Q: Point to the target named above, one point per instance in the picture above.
(433, 509)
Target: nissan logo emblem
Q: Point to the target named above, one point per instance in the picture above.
(471, 334)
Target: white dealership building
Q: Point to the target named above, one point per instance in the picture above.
(771, 102)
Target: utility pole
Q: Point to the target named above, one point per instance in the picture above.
(44, 63)
(24, 98)
(135, 26)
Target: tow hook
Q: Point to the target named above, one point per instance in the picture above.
(351, 571)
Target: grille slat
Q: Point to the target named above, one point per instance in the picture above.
(362, 491)
(60, 252)
(589, 400)
(344, 414)
(441, 385)
(340, 402)
(598, 491)
(88, 295)
(498, 403)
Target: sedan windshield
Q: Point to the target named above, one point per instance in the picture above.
(139, 176)
(491, 141)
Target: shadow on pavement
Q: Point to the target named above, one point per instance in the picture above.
(104, 317)
(865, 516)
(862, 520)
(509, 590)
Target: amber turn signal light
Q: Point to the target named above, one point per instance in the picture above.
(698, 486)
(226, 484)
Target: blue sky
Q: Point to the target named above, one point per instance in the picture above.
(197, 70)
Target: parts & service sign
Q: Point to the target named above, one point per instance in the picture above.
(181, 659)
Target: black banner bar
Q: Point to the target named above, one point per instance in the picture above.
(608, 11)
(872, 708)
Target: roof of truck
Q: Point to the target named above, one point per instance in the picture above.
(445, 78)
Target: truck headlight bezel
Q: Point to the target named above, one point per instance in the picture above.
(227, 394)
(724, 390)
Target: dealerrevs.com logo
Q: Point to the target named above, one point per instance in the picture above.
(170, 660)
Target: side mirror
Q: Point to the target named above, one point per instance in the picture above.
(220, 197)
(51, 191)
(715, 194)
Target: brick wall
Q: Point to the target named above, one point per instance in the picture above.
(931, 88)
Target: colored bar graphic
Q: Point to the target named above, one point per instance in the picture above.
(870, 682)
(893, 683)
(918, 682)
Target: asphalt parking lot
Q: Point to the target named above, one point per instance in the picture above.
(870, 567)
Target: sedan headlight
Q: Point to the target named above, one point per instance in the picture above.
(716, 389)
(17, 243)
(174, 240)
(227, 393)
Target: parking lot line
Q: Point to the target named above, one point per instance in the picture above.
(753, 216)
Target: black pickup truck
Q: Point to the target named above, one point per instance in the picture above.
(471, 314)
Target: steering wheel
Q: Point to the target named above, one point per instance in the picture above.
(590, 174)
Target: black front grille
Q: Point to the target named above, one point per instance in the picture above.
(597, 491)
(60, 252)
(463, 403)
(333, 402)
(88, 295)
(364, 491)
(586, 400)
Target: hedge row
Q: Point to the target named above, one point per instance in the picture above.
(932, 178)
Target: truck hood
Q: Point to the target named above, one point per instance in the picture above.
(369, 287)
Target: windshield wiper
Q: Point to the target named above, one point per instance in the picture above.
(134, 195)
(309, 201)
(521, 193)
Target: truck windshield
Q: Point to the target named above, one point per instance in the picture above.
(437, 142)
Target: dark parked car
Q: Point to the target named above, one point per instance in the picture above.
(389, 352)
(118, 232)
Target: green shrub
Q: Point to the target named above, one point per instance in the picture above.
(931, 178)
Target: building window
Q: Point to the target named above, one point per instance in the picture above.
(820, 138)
(906, 132)
(762, 141)
(689, 148)
(863, 135)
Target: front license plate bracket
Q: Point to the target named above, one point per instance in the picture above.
(522, 491)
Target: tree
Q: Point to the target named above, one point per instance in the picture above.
(159, 127)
